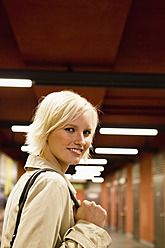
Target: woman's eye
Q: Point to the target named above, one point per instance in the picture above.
(69, 129)
(87, 132)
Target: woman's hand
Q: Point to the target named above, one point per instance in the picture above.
(91, 212)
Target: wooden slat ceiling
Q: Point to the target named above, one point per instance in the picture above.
(119, 45)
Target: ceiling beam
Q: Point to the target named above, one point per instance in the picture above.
(88, 79)
(7, 124)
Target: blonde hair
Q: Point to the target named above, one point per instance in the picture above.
(56, 110)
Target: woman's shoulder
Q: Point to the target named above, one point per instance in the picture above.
(52, 178)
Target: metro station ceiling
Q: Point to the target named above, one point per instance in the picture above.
(111, 51)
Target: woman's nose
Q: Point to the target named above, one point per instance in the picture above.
(79, 139)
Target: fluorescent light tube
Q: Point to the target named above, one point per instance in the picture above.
(121, 151)
(129, 131)
(88, 173)
(21, 129)
(8, 82)
(98, 180)
(93, 195)
(25, 149)
(94, 161)
(89, 168)
(82, 177)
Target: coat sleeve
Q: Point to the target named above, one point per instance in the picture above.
(86, 235)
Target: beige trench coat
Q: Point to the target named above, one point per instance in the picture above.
(47, 219)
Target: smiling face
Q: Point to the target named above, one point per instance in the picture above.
(67, 145)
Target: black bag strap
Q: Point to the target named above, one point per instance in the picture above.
(23, 198)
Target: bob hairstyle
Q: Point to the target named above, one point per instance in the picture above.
(55, 111)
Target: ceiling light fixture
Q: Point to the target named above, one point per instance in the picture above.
(98, 180)
(82, 177)
(119, 151)
(89, 168)
(94, 161)
(88, 173)
(129, 131)
(8, 82)
(20, 129)
(25, 149)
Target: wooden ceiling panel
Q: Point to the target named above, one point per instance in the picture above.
(17, 104)
(121, 141)
(94, 95)
(142, 47)
(135, 101)
(10, 56)
(68, 32)
(131, 120)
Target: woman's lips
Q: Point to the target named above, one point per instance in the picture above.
(76, 150)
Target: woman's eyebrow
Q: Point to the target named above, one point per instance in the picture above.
(88, 128)
(71, 125)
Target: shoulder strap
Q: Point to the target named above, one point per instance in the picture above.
(23, 198)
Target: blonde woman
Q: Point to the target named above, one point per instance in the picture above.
(61, 134)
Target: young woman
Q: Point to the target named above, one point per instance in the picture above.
(61, 134)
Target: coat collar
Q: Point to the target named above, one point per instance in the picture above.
(36, 162)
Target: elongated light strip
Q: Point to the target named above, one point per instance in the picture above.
(120, 151)
(129, 131)
(69, 177)
(21, 129)
(98, 180)
(88, 173)
(94, 161)
(89, 168)
(85, 177)
(25, 149)
(82, 179)
(8, 82)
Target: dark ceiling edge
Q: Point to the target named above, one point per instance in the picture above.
(88, 79)
(9, 123)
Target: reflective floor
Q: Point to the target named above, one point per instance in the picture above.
(122, 241)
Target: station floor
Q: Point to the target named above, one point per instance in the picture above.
(122, 241)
